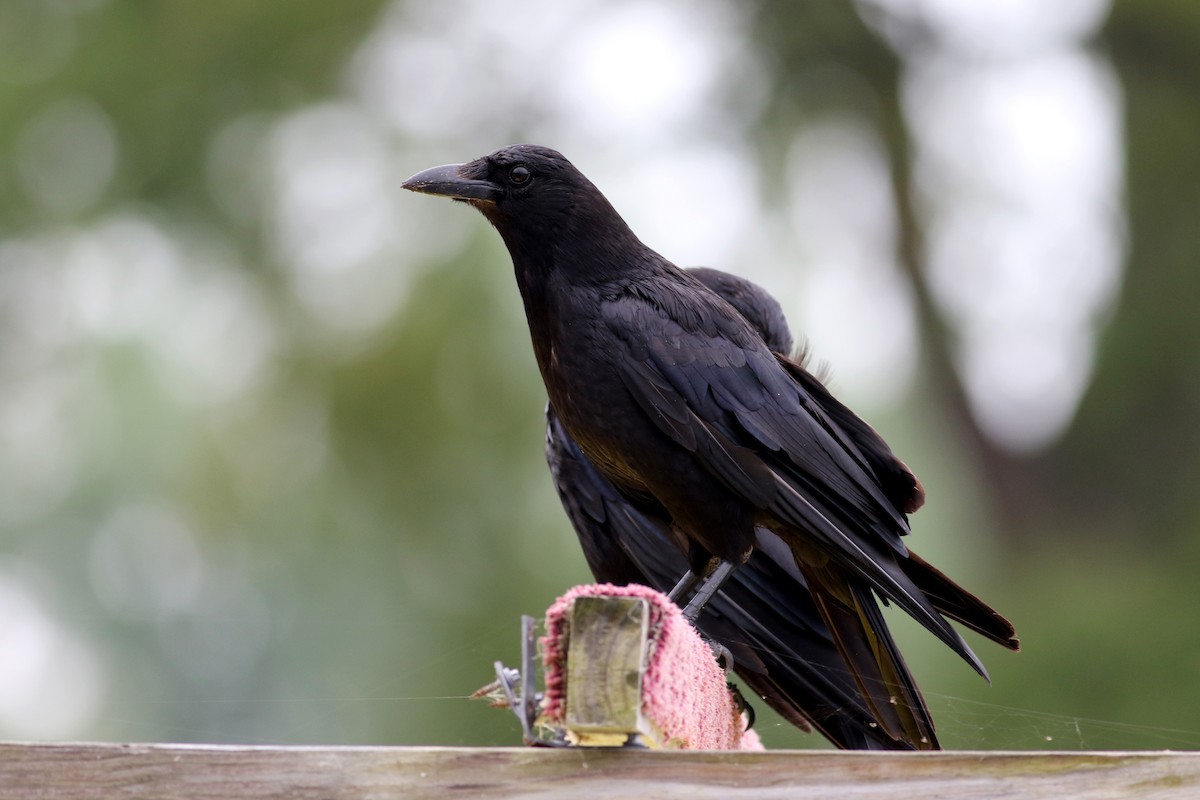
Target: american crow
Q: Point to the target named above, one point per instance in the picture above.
(781, 647)
(675, 400)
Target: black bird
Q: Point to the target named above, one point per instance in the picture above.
(678, 403)
(764, 614)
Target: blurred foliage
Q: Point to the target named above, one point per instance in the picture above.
(337, 546)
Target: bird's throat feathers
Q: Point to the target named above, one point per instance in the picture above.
(580, 239)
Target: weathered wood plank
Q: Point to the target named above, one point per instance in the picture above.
(199, 772)
(605, 658)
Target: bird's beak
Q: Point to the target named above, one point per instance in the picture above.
(448, 181)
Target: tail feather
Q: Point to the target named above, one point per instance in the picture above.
(958, 604)
(805, 670)
(812, 537)
(866, 645)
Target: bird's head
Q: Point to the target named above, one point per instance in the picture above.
(520, 176)
(534, 196)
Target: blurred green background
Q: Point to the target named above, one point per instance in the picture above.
(270, 429)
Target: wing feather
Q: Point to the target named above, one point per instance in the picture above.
(719, 392)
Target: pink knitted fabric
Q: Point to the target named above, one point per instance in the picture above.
(683, 690)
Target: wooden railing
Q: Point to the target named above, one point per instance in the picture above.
(199, 772)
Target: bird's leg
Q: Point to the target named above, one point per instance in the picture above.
(686, 584)
(702, 567)
(709, 586)
(705, 587)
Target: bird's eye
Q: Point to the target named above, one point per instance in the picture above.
(518, 176)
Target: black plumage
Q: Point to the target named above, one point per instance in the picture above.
(681, 432)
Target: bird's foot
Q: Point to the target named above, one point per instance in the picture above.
(722, 655)
(740, 700)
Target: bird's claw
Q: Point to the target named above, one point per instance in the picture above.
(742, 704)
(723, 656)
